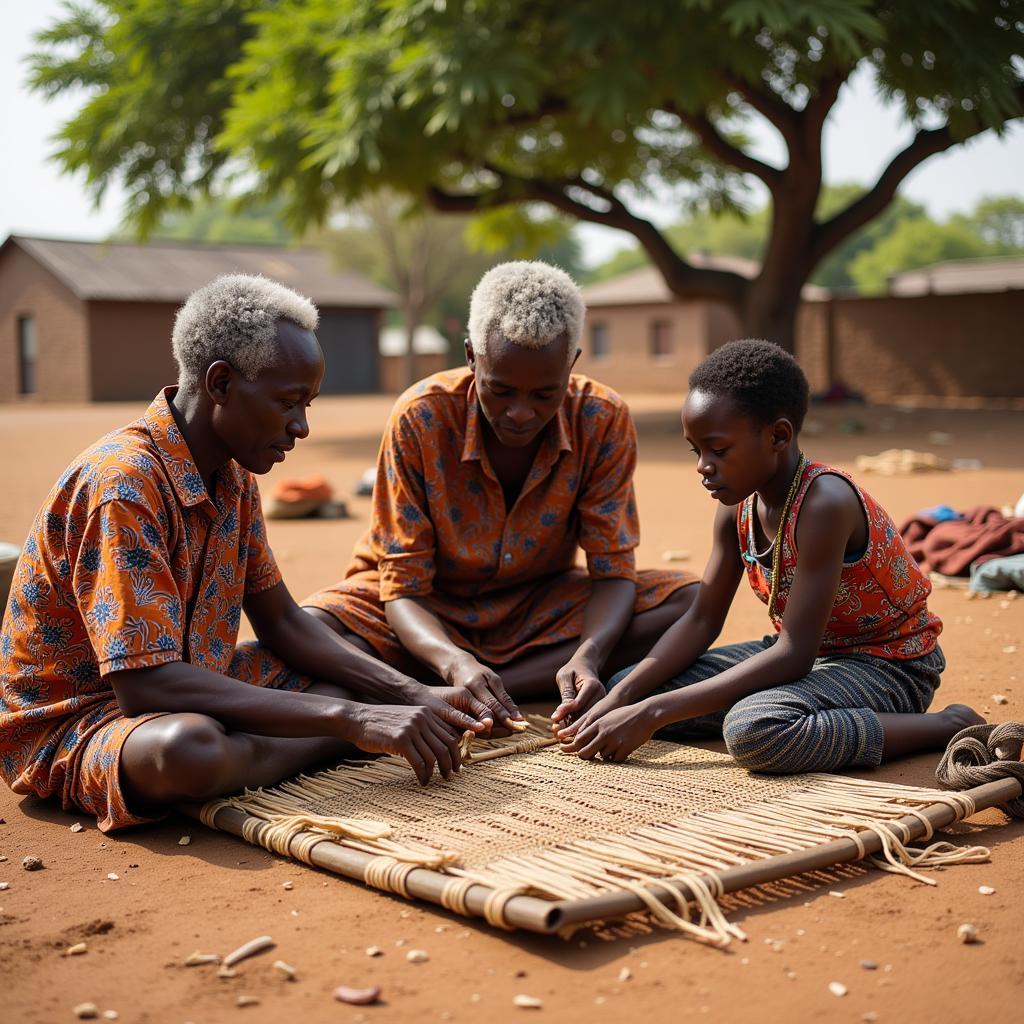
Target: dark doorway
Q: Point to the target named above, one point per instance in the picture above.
(350, 345)
(27, 355)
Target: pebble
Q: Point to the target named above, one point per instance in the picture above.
(417, 956)
(869, 965)
(247, 1001)
(1000, 698)
(527, 1002)
(1010, 649)
(475, 997)
(197, 959)
(110, 1015)
(837, 988)
(986, 890)
(285, 969)
(625, 974)
(399, 942)
(32, 863)
(288, 886)
(86, 1011)
(112, 877)
(4, 886)
(357, 996)
(838, 895)
(77, 949)
(967, 934)
(79, 827)
(870, 1016)
(374, 951)
(184, 840)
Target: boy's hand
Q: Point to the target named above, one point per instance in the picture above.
(613, 736)
(566, 731)
(579, 687)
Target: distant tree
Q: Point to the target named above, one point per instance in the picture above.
(416, 253)
(999, 221)
(914, 243)
(474, 104)
(225, 220)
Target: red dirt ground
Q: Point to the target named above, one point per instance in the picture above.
(217, 892)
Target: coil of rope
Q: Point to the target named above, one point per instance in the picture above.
(985, 753)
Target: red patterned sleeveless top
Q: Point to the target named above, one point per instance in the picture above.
(881, 605)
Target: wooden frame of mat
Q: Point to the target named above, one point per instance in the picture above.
(551, 916)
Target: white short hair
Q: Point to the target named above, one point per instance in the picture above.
(235, 318)
(527, 303)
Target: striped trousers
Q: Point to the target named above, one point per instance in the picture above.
(825, 721)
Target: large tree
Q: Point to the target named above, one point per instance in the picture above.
(473, 104)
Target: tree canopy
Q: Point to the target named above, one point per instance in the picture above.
(469, 105)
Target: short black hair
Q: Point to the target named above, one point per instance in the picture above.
(763, 380)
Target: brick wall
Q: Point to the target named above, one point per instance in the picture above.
(62, 366)
(628, 364)
(131, 349)
(927, 346)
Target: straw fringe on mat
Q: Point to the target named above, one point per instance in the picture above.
(538, 839)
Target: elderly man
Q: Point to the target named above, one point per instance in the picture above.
(121, 687)
(489, 480)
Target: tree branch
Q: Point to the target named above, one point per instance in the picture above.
(683, 279)
(812, 117)
(720, 148)
(830, 233)
(769, 105)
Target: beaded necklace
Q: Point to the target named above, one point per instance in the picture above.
(777, 547)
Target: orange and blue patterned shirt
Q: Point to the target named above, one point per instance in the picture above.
(439, 516)
(881, 604)
(129, 564)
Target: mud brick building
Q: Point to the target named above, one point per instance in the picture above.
(84, 321)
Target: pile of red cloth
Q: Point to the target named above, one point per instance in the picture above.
(951, 547)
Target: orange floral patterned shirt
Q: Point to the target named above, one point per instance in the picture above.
(881, 604)
(439, 516)
(129, 564)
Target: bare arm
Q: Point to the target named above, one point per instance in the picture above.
(423, 635)
(828, 518)
(689, 637)
(605, 618)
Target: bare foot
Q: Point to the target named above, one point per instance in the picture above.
(960, 716)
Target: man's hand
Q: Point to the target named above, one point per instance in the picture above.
(486, 687)
(416, 733)
(612, 736)
(579, 687)
(457, 706)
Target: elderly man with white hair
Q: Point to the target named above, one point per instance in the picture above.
(121, 686)
(489, 481)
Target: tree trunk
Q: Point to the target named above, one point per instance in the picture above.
(770, 312)
(410, 320)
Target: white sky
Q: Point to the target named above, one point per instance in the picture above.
(861, 136)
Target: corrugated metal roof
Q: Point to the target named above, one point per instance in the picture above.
(169, 272)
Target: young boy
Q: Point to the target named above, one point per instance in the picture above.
(855, 662)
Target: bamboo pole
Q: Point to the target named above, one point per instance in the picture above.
(547, 916)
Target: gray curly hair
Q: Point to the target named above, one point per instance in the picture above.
(235, 318)
(527, 303)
